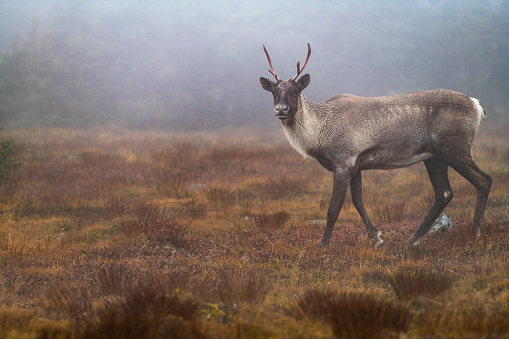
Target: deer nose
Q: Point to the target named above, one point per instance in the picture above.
(281, 111)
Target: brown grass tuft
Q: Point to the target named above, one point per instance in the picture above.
(237, 286)
(390, 212)
(147, 219)
(75, 303)
(465, 190)
(475, 322)
(195, 209)
(221, 196)
(354, 314)
(14, 319)
(146, 312)
(114, 279)
(117, 205)
(271, 222)
(427, 201)
(142, 218)
(409, 284)
(283, 185)
(171, 183)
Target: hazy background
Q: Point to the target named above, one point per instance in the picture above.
(195, 64)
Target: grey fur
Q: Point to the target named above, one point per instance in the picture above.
(348, 134)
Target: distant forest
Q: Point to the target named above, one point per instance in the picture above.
(192, 64)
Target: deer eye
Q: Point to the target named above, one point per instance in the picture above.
(296, 93)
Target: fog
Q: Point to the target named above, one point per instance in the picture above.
(196, 64)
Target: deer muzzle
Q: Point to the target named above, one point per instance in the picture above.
(281, 111)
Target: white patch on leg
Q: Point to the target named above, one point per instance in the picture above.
(447, 194)
(417, 242)
(379, 241)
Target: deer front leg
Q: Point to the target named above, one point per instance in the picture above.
(356, 189)
(341, 182)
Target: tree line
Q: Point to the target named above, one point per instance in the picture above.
(187, 65)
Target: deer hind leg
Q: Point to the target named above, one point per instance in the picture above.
(437, 171)
(480, 180)
(356, 189)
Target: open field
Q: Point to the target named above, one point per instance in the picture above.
(118, 234)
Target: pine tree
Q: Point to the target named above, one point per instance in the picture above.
(8, 161)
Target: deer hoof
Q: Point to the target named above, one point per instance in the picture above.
(378, 240)
(324, 244)
(411, 242)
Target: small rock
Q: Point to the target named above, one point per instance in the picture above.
(443, 223)
(318, 222)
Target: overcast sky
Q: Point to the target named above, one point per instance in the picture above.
(207, 55)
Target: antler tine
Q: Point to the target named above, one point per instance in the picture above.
(271, 70)
(299, 69)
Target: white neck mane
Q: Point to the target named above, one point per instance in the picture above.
(302, 135)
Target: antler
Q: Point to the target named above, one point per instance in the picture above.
(271, 70)
(299, 70)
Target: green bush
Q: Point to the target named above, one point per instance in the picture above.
(8, 162)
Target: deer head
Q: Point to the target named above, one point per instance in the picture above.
(286, 92)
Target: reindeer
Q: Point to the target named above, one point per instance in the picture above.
(348, 134)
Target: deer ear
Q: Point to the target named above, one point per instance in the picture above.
(267, 84)
(303, 82)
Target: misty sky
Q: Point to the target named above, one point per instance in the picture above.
(208, 55)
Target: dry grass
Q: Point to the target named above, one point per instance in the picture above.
(112, 233)
(426, 202)
(475, 322)
(221, 196)
(272, 221)
(390, 212)
(283, 185)
(113, 279)
(410, 284)
(355, 314)
(145, 312)
(236, 286)
(75, 303)
(195, 209)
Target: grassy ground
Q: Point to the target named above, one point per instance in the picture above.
(117, 234)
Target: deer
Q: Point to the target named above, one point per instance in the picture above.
(348, 134)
